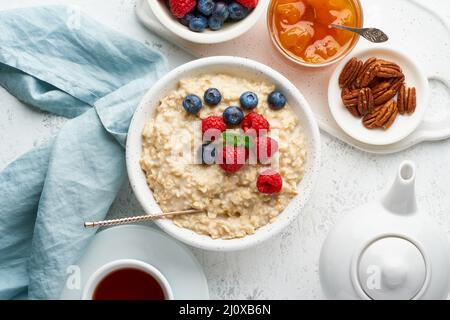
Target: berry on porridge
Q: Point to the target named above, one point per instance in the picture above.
(269, 182)
(276, 100)
(213, 122)
(232, 158)
(248, 100)
(233, 115)
(192, 103)
(212, 96)
(255, 123)
(207, 153)
(264, 148)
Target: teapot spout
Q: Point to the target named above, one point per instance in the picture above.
(401, 197)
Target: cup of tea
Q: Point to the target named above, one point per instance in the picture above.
(127, 279)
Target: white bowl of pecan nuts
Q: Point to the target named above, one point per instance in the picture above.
(378, 96)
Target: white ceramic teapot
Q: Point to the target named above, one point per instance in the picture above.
(387, 249)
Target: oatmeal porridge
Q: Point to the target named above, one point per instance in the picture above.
(234, 205)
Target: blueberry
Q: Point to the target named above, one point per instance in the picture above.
(237, 11)
(221, 11)
(198, 24)
(205, 7)
(215, 23)
(276, 100)
(212, 96)
(186, 19)
(233, 115)
(192, 103)
(248, 100)
(207, 153)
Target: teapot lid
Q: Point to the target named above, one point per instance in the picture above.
(391, 268)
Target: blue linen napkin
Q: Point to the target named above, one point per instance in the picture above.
(81, 70)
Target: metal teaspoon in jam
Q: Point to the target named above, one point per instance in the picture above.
(371, 34)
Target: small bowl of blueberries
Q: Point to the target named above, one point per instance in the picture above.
(208, 21)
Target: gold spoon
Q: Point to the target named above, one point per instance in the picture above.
(144, 217)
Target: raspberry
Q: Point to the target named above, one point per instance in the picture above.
(213, 122)
(264, 148)
(256, 122)
(180, 8)
(269, 181)
(232, 159)
(250, 4)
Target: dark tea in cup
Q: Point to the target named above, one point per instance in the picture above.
(128, 284)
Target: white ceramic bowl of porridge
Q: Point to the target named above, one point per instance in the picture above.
(163, 194)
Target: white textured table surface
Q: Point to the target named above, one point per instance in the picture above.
(286, 267)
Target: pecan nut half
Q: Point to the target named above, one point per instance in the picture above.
(365, 101)
(411, 105)
(350, 100)
(370, 120)
(388, 69)
(386, 90)
(384, 96)
(401, 100)
(381, 117)
(350, 72)
(380, 87)
(396, 83)
(368, 72)
(354, 111)
(406, 100)
(350, 96)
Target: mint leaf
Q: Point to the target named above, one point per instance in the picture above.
(237, 140)
(248, 141)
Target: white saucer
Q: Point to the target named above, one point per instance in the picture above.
(403, 125)
(172, 258)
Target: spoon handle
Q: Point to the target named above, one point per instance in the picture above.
(356, 30)
(144, 217)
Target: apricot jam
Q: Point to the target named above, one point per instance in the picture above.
(301, 28)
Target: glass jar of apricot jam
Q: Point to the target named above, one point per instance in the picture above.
(300, 29)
